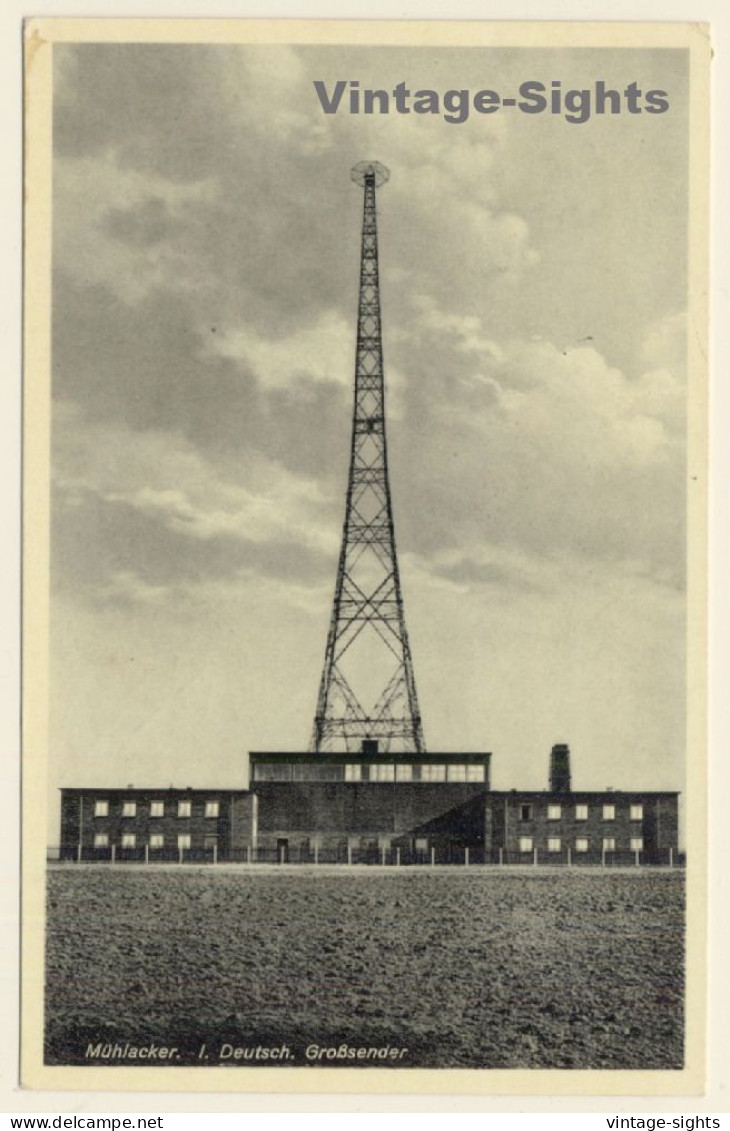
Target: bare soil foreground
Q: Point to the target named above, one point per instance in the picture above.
(473, 968)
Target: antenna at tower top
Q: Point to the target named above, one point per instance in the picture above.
(364, 169)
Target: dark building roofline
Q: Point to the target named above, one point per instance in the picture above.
(513, 794)
(577, 794)
(355, 757)
(162, 791)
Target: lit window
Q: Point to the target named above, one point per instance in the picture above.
(212, 808)
(581, 812)
(525, 844)
(129, 809)
(184, 808)
(456, 773)
(581, 844)
(101, 809)
(183, 840)
(525, 812)
(421, 844)
(353, 773)
(157, 840)
(637, 844)
(609, 812)
(554, 844)
(609, 844)
(157, 808)
(129, 840)
(475, 773)
(636, 812)
(382, 773)
(101, 840)
(433, 773)
(554, 812)
(404, 773)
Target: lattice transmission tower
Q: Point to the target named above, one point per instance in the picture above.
(367, 690)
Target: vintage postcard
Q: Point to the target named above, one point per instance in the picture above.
(364, 594)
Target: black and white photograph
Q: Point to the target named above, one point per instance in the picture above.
(365, 488)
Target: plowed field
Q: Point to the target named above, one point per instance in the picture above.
(479, 968)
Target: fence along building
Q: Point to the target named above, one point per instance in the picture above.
(373, 808)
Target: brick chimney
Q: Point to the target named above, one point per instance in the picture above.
(560, 768)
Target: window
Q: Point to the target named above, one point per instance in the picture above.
(525, 812)
(475, 773)
(609, 812)
(404, 773)
(157, 840)
(609, 844)
(271, 771)
(525, 844)
(212, 808)
(636, 812)
(157, 808)
(129, 840)
(456, 773)
(101, 840)
(129, 809)
(382, 773)
(554, 812)
(353, 773)
(308, 771)
(184, 808)
(421, 844)
(581, 844)
(581, 812)
(553, 844)
(183, 840)
(637, 844)
(433, 773)
(101, 809)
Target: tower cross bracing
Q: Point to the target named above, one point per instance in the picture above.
(367, 690)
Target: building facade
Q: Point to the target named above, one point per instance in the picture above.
(372, 807)
(155, 824)
(369, 805)
(584, 826)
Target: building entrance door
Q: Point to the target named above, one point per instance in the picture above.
(282, 850)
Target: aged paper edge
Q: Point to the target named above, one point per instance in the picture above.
(39, 38)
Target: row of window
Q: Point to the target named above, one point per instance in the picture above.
(555, 844)
(367, 772)
(408, 772)
(555, 812)
(526, 843)
(157, 808)
(129, 840)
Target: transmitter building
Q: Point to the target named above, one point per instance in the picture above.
(372, 808)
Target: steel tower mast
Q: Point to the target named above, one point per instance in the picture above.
(367, 690)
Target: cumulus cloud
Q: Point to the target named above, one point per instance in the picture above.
(122, 228)
(121, 484)
(316, 352)
(542, 449)
(164, 475)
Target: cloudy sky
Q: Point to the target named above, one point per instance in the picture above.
(206, 241)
